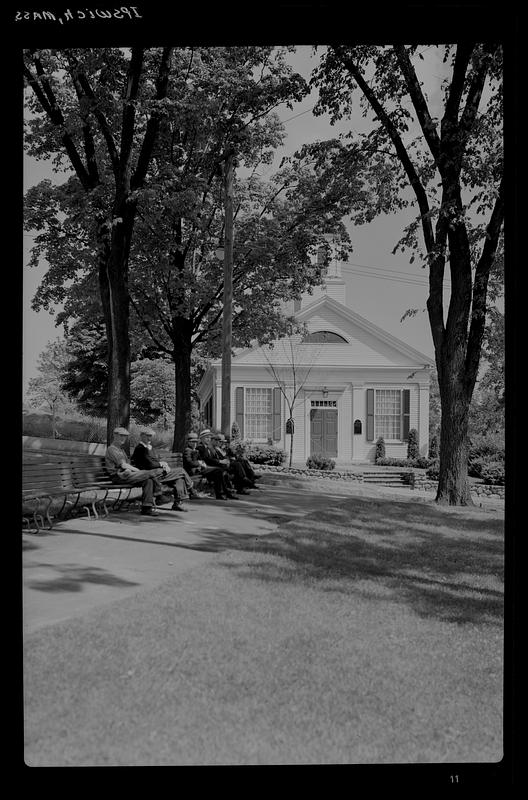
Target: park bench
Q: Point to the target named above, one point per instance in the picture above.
(61, 485)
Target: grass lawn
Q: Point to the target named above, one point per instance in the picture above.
(367, 633)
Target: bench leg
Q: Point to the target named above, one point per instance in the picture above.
(36, 519)
(73, 505)
(102, 504)
(29, 529)
(122, 499)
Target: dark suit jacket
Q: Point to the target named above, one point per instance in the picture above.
(190, 460)
(143, 458)
(209, 455)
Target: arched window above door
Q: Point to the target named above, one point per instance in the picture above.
(324, 337)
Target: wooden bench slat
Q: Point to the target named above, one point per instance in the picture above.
(54, 483)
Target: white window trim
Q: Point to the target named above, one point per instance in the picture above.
(376, 433)
(261, 387)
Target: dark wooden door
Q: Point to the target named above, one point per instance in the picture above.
(323, 431)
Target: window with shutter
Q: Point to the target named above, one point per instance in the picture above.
(258, 413)
(391, 414)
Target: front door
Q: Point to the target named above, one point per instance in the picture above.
(323, 431)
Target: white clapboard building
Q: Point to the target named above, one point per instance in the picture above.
(352, 381)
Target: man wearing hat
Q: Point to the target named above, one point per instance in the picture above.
(145, 457)
(194, 464)
(208, 454)
(236, 451)
(122, 471)
(236, 469)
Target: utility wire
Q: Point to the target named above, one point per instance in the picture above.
(383, 272)
(298, 115)
(362, 274)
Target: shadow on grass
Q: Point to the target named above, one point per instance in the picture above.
(442, 564)
(26, 546)
(71, 578)
(445, 563)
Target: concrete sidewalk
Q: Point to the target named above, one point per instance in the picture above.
(81, 564)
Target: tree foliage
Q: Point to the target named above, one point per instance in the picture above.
(152, 391)
(46, 390)
(97, 112)
(449, 162)
(218, 100)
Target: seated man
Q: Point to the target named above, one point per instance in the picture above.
(145, 457)
(236, 469)
(121, 471)
(208, 455)
(236, 451)
(194, 465)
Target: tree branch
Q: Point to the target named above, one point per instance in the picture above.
(79, 75)
(129, 112)
(482, 272)
(456, 89)
(153, 124)
(89, 144)
(474, 96)
(51, 108)
(420, 106)
(148, 327)
(398, 145)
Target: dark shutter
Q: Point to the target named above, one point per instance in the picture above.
(276, 416)
(239, 409)
(406, 405)
(370, 415)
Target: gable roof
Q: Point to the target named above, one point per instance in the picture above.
(328, 313)
(368, 345)
(349, 316)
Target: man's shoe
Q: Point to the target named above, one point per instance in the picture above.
(221, 497)
(148, 511)
(178, 507)
(194, 495)
(231, 496)
(243, 491)
(161, 499)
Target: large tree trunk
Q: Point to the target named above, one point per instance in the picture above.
(182, 339)
(453, 483)
(113, 285)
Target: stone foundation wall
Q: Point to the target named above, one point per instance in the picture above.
(320, 473)
(417, 480)
(425, 484)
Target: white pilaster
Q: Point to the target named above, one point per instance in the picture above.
(423, 418)
(344, 426)
(359, 411)
(217, 410)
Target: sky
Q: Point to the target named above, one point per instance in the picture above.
(380, 286)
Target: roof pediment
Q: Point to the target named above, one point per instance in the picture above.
(366, 345)
(346, 321)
